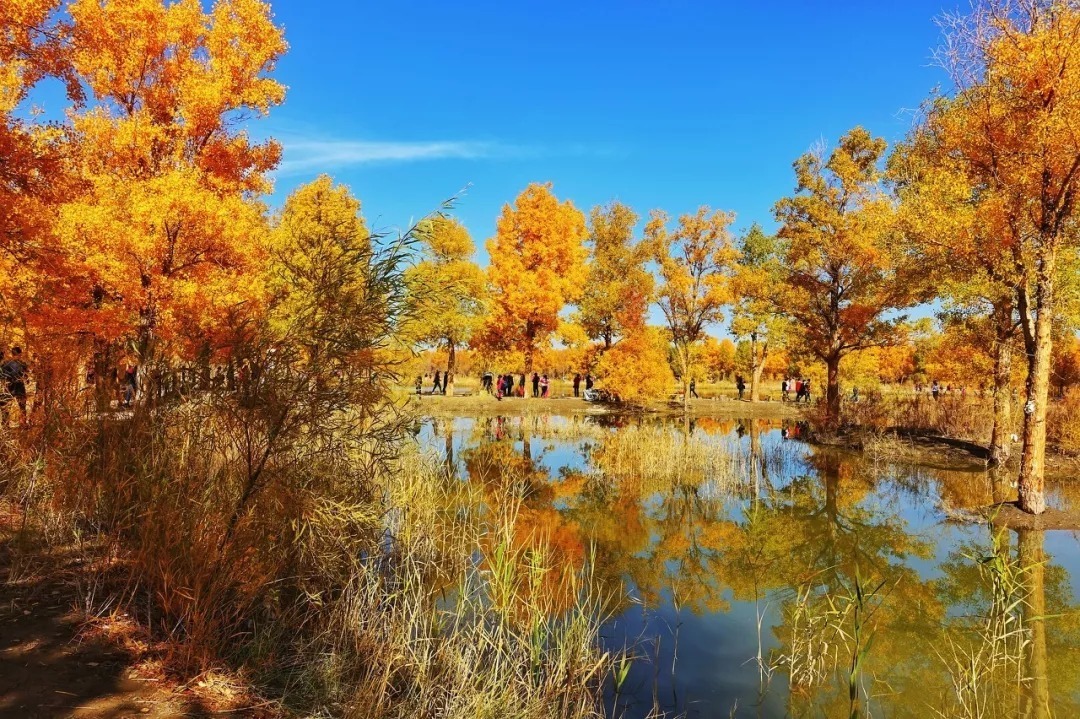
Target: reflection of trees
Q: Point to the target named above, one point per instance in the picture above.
(1035, 699)
(1012, 632)
(833, 526)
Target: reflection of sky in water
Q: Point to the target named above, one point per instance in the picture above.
(702, 661)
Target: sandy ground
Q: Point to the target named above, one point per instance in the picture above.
(55, 663)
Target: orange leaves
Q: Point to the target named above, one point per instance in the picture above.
(537, 267)
(165, 78)
(157, 234)
(636, 369)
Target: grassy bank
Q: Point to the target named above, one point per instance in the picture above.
(348, 580)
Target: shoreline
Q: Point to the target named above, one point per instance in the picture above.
(719, 408)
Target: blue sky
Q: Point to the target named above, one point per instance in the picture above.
(668, 104)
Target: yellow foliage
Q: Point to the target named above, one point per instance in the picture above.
(537, 267)
(636, 369)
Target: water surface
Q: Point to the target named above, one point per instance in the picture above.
(751, 575)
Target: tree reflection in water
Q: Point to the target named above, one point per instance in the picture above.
(861, 598)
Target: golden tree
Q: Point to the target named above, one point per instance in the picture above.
(619, 287)
(537, 268)
(166, 231)
(845, 267)
(958, 230)
(759, 288)
(449, 291)
(637, 368)
(1009, 132)
(34, 176)
(695, 264)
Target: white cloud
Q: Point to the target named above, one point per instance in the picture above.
(303, 155)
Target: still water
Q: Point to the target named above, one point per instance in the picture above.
(751, 575)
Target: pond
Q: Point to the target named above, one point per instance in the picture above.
(752, 575)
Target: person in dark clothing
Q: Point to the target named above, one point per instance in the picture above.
(521, 386)
(740, 385)
(130, 383)
(419, 385)
(577, 384)
(13, 374)
(487, 381)
(437, 387)
(536, 384)
(588, 381)
(693, 388)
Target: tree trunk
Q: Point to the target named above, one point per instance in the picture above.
(1003, 333)
(451, 366)
(528, 360)
(832, 391)
(684, 358)
(1033, 458)
(757, 366)
(1035, 698)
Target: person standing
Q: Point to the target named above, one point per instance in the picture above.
(577, 384)
(740, 385)
(131, 382)
(588, 381)
(806, 390)
(536, 384)
(935, 389)
(419, 385)
(13, 372)
(785, 389)
(544, 386)
(693, 388)
(521, 386)
(436, 388)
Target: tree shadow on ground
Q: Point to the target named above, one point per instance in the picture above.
(50, 667)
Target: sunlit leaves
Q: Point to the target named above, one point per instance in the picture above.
(537, 267)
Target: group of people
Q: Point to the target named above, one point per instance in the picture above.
(507, 385)
(799, 387)
(937, 389)
(438, 386)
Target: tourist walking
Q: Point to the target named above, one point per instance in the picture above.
(486, 382)
(536, 384)
(806, 390)
(577, 384)
(419, 385)
(693, 388)
(935, 389)
(436, 388)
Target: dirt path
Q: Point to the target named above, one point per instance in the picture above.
(51, 666)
